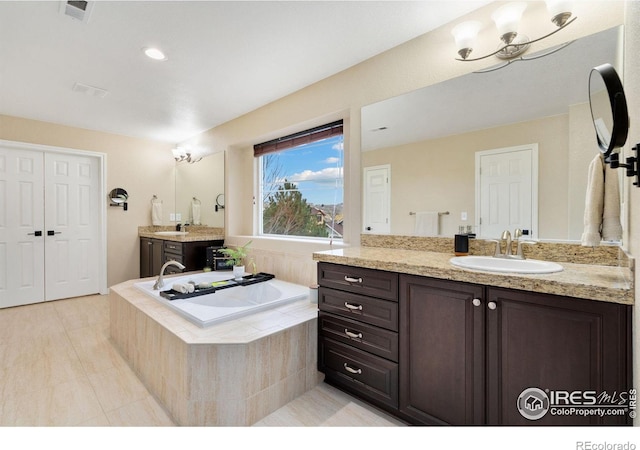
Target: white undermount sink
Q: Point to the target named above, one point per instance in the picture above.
(505, 265)
(171, 233)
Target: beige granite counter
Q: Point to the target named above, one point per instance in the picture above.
(195, 233)
(594, 282)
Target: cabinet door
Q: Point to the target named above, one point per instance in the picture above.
(151, 258)
(555, 344)
(441, 351)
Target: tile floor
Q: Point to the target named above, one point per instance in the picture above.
(58, 368)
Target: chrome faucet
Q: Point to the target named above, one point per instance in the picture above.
(160, 282)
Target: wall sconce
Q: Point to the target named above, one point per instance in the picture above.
(184, 154)
(507, 19)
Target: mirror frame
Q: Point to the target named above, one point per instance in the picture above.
(619, 111)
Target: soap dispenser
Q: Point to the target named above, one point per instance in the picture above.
(461, 243)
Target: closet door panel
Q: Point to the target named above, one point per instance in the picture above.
(21, 226)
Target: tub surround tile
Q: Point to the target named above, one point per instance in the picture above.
(594, 282)
(214, 376)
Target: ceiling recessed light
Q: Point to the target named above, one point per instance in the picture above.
(154, 53)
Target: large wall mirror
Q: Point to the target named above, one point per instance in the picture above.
(431, 137)
(201, 182)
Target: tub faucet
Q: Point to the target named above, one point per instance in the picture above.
(160, 282)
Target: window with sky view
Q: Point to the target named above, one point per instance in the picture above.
(302, 190)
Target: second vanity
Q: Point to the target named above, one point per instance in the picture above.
(159, 245)
(435, 344)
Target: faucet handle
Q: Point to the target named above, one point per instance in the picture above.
(517, 234)
(520, 243)
(498, 251)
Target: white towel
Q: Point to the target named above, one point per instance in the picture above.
(611, 226)
(156, 212)
(426, 223)
(602, 205)
(195, 213)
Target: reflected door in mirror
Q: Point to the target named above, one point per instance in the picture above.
(376, 206)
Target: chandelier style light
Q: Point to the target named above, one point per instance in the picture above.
(184, 154)
(507, 19)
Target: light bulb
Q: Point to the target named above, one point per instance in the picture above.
(465, 35)
(507, 19)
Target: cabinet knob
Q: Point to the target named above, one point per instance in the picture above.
(492, 305)
(477, 302)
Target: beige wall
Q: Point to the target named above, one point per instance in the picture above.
(142, 167)
(632, 91)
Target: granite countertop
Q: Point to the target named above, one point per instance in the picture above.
(195, 234)
(588, 281)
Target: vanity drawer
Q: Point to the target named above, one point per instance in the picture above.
(381, 313)
(371, 376)
(174, 248)
(375, 283)
(374, 340)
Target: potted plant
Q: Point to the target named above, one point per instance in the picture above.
(236, 259)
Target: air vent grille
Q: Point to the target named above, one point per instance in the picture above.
(79, 10)
(89, 90)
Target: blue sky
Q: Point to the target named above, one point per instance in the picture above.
(314, 168)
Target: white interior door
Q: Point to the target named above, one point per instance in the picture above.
(376, 200)
(506, 191)
(21, 227)
(72, 218)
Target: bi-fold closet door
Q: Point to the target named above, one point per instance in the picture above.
(50, 225)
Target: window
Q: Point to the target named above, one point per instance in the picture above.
(301, 183)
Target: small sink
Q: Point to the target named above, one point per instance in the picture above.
(171, 233)
(505, 265)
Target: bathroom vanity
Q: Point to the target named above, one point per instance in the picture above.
(188, 249)
(435, 344)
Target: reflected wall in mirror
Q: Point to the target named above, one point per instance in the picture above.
(204, 181)
(430, 137)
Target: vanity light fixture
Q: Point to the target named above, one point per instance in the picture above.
(507, 20)
(154, 53)
(183, 154)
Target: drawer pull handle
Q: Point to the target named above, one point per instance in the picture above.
(353, 335)
(353, 307)
(349, 279)
(352, 370)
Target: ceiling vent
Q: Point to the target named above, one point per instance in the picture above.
(91, 91)
(78, 10)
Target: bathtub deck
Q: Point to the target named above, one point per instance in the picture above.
(233, 373)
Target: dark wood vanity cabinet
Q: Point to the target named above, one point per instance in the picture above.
(155, 252)
(442, 352)
(452, 353)
(151, 257)
(467, 352)
(358, 331)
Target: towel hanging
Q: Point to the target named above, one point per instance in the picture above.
(426, 223)
(602, 205)
(195, 211)
(156, 211)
